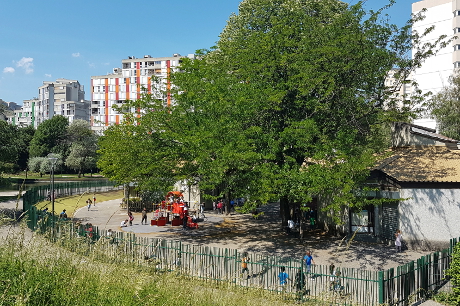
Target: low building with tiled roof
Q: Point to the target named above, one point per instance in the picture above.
(424, 171)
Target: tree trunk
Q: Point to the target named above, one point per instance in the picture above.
(227, 202)
(284, 211)
(79, 173)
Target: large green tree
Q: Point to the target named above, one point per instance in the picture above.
(290, 104)
(8, 147)
(25, 136)
(83, 146)
(50, 137)
(445, 107)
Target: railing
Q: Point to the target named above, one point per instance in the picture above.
(406, 284)
(41, 193)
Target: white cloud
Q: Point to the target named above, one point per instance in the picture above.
(76, 54)
(91, 65)
(47, 75)
(8, 70)
(26, 63)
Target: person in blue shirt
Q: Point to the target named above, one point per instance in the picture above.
(308, 259)
(283, 276)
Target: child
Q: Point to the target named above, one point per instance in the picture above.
(244, 264)
(283, 276)
(398, 238)
(131, 218)
(308, 259)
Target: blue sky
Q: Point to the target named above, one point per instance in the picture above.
(49, 39)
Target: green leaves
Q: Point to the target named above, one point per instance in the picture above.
(290, 104)
(445, 107)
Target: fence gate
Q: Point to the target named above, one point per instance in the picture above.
(390, 222)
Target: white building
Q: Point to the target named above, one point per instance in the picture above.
(128, 83)
(10, 108)
(435, 72)
(64, 97)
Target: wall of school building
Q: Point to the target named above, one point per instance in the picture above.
(429, 217)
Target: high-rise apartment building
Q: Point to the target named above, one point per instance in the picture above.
(444, 15)
(128, 83)
(62, 97)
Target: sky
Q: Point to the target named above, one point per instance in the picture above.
(50, 39)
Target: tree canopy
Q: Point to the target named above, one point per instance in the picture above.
(83, 147)
(289, 105)
(50, 137)
(445, 107)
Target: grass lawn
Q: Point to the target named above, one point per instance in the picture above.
(72, 203)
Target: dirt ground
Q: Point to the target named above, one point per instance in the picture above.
(265, 235)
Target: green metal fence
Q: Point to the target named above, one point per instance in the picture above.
(405, 284)
(40, 193)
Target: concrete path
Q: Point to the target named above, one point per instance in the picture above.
(109, 215)
(429, 303)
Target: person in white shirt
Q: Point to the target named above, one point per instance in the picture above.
(124, 223)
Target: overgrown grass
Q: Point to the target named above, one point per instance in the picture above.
(72, 203)
(35, 272)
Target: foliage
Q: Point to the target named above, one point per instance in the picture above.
(34, 272)
(34, 164)
(8, 147)
(25, 136)
(445, 107)
(290, 104)
(14, 146)
(454, 272)
(50, 137)
(83, 147)
(42, 165)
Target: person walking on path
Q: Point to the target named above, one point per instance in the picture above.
(94, 199)
(308, 259)
(398, 238)
(88, 203)
(144, 216)
(131, 218)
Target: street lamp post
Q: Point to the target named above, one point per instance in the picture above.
(53, 161)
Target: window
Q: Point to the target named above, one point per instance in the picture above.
(456, 47)
(457, 65)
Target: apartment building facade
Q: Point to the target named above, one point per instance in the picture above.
(7, 109)
(61, 97)
(128, 83)
(433, 75)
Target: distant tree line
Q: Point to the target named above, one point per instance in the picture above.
(24, 148)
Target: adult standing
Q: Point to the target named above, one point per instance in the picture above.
(308, 259)
(88, 203)
(398, 239)
(144, 216)
(94, 199)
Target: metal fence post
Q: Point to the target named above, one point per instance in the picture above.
(381, 288)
